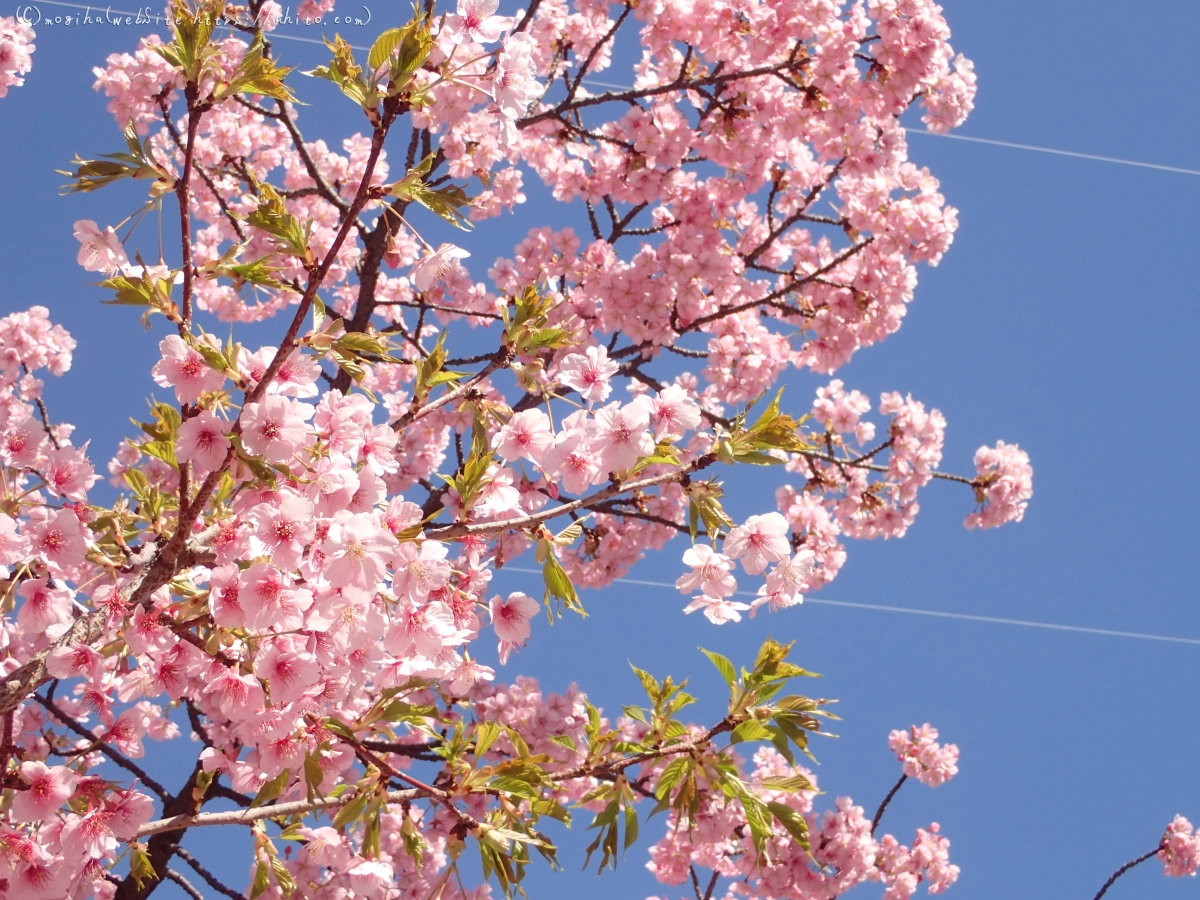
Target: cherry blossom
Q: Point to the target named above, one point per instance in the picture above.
(435, 265)
(717, 610)
(16, 46)
(99, 251)
(202, 440)
(274, 427)
(48, 789)
(761, 540)
(711, 572)
(510, 618)
(476, 21)
(924, 759)
(527, 434)
(1180, 849)
(185, 369)
(589, 372)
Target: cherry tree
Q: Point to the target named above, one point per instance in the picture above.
(297, 554)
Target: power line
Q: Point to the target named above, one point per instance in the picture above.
(933, 613)
(278, 35)
(1056, 152)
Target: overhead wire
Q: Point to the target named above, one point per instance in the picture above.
(933, 613)
(1094, 157)
(875, 607)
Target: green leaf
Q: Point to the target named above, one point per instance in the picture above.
(313, 775)
(511, 785)
(795, 823)
(789, 783)
(750, 730)
(485, 735)
(164, 450)
(272, 216)
(649, 682)
(758, 817)
(347, 75)
(671, 776)
(383, 47)
(257, 74)
(283, 877)
(262, 879)
(724, 666)
(271, 789)
(635, 712)
(352, 810)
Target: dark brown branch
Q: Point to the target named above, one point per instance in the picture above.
(174, 876)
(208, 876)
(112, 753)
(45, 414)
(886, 800)
(1125, 868)
(639, 94)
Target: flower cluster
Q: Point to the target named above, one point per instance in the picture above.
(1003, 485)
(923, 757)
(844, 850)
(1180, 849)
(16, 47)
(301, 553)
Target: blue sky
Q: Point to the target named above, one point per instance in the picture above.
(1063, 319)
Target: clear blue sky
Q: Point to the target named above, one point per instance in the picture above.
(1063, 318)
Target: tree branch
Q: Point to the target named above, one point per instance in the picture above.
(278, 810)
(462, 529)
(116, 756)
(1125, 868)
(207, 875)
(886, 800)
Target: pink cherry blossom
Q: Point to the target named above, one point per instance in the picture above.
(49, 788)
(758, 542)
(435, 265)
(589, 372)
(514, 83)
(527, 434)
(711, 573)
(283, 530)
(202, 440)
(274, 427)
(99, 251)
(1004, 484)
(510, 618)
(622, 436)
(16, 46)
(356, 550)
(476, 21)
(288, 669)
(45, 607)
(924, 759)
(717, 610)
(60, 539)
(673, 413)
(419, 569)
(572, 461)
(183, 368)
(1180, 850)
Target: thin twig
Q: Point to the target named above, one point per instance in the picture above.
(207, 875)
(188, 889)
(116, 756)
(278, 810)
(1125, 868)
(886, 801)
